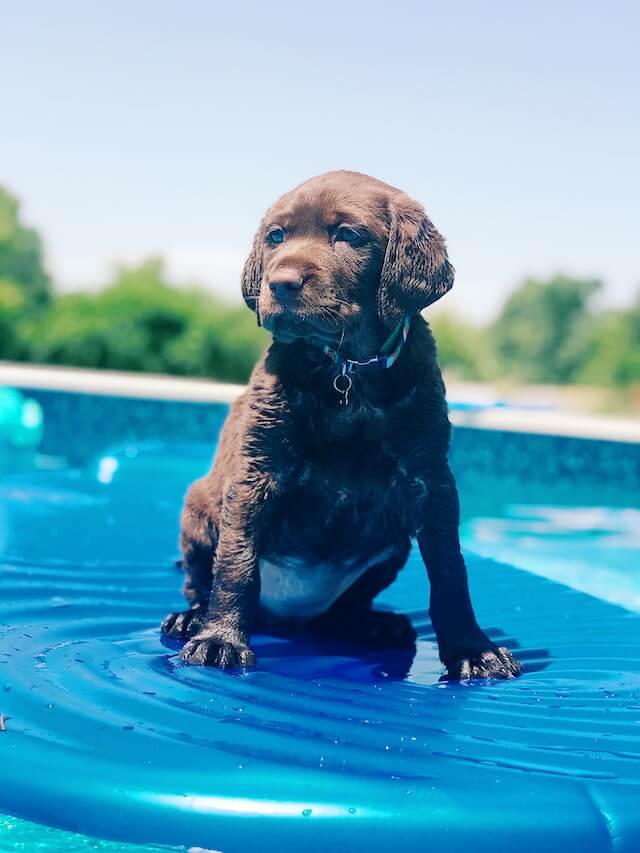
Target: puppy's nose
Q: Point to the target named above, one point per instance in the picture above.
(286, 285)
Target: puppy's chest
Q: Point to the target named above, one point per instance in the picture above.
(346, 471)
(352, 490)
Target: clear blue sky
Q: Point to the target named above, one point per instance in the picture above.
(137, 127)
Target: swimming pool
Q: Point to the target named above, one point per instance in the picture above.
(322, 746)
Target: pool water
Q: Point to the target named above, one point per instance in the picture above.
(582, 536)
(322, 746)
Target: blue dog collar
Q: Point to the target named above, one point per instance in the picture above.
(387, 356)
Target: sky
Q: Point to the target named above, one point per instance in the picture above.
(131, 129)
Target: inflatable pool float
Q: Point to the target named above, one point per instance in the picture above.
(323, 746)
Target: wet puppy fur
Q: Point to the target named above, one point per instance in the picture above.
(341, 259)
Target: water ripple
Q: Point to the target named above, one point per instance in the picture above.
(108, 732)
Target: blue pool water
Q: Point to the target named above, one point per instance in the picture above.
(324, 746)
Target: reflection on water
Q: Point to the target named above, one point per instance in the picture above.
(572, 536)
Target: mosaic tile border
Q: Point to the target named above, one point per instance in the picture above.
(78, 426)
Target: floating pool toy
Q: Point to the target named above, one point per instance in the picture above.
(321, 747)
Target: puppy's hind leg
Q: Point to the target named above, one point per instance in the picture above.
(352, 619)
(198, 541)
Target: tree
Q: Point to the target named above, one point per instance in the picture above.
(615, 354)
(12, 303)
(463, 349)
(21, 259)
(544, 332)
(141, 322)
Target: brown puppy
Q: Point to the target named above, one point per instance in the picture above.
(326, 468)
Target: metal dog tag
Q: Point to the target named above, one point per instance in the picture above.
(342, 383)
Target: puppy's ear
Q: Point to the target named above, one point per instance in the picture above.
(252, 273)
(416, 270)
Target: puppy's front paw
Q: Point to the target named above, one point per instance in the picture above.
(207, 649)
(184, 624)
(491, 663)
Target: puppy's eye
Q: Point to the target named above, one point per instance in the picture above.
(347, 234)
(275, 236)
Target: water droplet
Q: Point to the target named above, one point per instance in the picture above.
(306, 812)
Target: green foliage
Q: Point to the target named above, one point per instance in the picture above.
(544, 331)
(463, 349)
(12, 303)
(140, 322)
(615, 352)
(21, 253)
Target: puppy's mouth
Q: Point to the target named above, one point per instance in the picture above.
(289, 328)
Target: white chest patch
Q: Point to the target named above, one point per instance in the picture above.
(293, 589)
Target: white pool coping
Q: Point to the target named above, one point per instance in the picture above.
(160, 387)
(149, 386)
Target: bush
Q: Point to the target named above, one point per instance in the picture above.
(141, 323)
(21, 253)
(615, 353)
(463, 349)
(12, 306)
(544, 332)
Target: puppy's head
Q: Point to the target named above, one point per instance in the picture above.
(341, 257)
